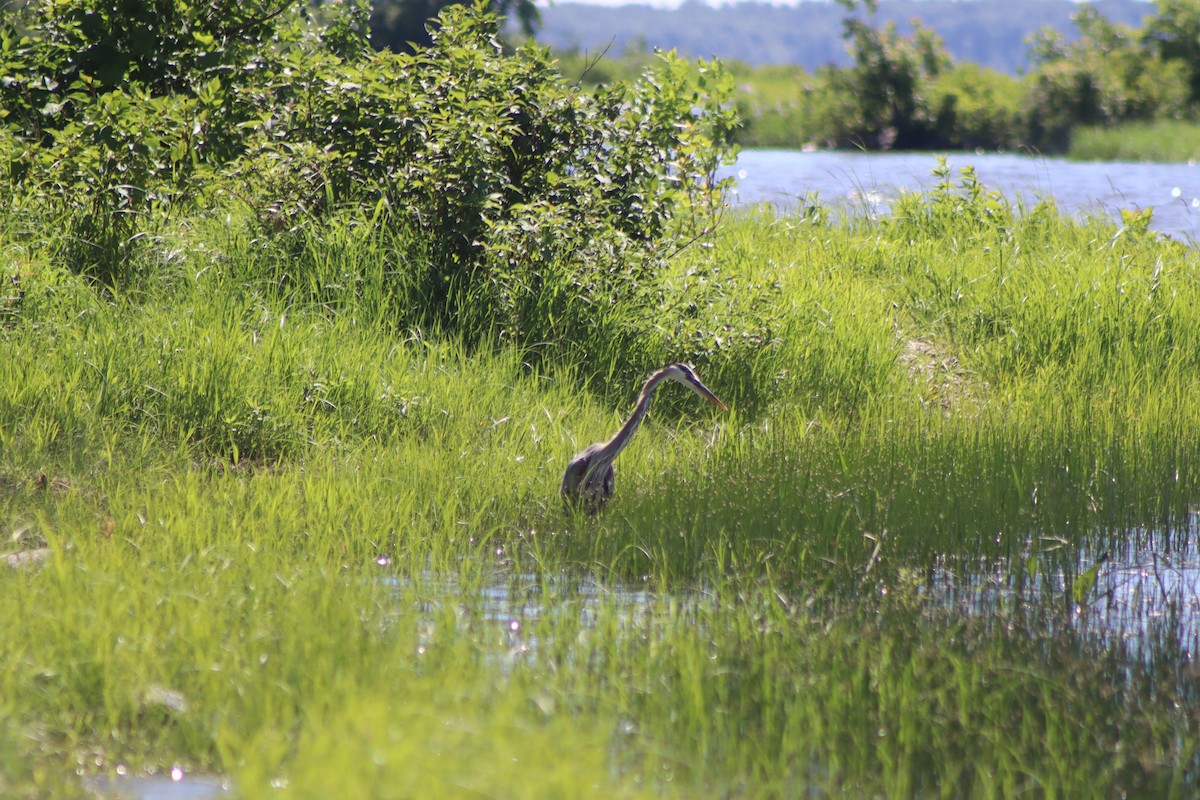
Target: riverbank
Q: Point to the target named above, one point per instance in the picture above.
(287, 544)
(1168, 141)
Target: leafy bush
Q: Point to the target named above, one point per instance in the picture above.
(889, 80)
(517, 206)
(112, 111)
(1107, 76)
(902, 91)
(976, 107)
(546, 211)
(1174, 36)
(123, 154)
(963, 208)
(61, 59)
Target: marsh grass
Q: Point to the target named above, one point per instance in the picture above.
(1163, 140)
(298, 543)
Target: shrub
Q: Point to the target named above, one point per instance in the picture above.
(529, 209)
(889, 81)
(1107, 76)
(976, 107)
(113, 111)
(546, 208)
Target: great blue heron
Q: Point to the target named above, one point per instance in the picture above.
(589, 476)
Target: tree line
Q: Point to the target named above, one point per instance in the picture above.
(905, 91)
(901, 88)
(991, 33)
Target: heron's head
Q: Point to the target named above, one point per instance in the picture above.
(686, 374)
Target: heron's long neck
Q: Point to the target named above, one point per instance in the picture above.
(613, 447)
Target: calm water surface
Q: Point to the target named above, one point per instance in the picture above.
(869, 182)
(1146, 586)
(176, 786)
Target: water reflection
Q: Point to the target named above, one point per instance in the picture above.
(176, 786)
(1141, 590)
(512, 604)
(868, 182)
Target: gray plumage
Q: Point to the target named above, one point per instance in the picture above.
(589, 476)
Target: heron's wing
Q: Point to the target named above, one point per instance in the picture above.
(597, 466)
(576, 471)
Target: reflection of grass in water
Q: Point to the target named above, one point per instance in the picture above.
(948, 388)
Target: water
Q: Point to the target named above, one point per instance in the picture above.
(870, 181)
(513, 603)
(1144, 590)
(176, 786)
(1144, 587)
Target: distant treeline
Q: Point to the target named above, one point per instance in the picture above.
(903, 89)
(988, 32)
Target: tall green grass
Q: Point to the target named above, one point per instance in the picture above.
(272, 533)
(1163, 140)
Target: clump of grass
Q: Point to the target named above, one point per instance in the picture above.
(1162, 140)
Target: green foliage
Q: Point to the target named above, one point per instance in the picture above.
(888, 81)
(1174, 33)
(907, 94)
(492, 160)
(902, 90)
(1106, 76)
(257, 524)
(599, 69)
(492, 157)
(530, 209)
(965, 208)
(777, 107)
(807, 34)
(56, 54)
(112, 113)
(123, 155)
(976, 107)
(257, 537)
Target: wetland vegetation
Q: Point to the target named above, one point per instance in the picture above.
(282, 424)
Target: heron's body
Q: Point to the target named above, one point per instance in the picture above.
(589, 477)
(595, 491)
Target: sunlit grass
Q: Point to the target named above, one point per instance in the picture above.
(277, 538)
(1162, 140)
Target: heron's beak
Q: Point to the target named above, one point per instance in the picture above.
(703, 391)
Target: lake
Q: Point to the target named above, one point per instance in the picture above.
(869, 181)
